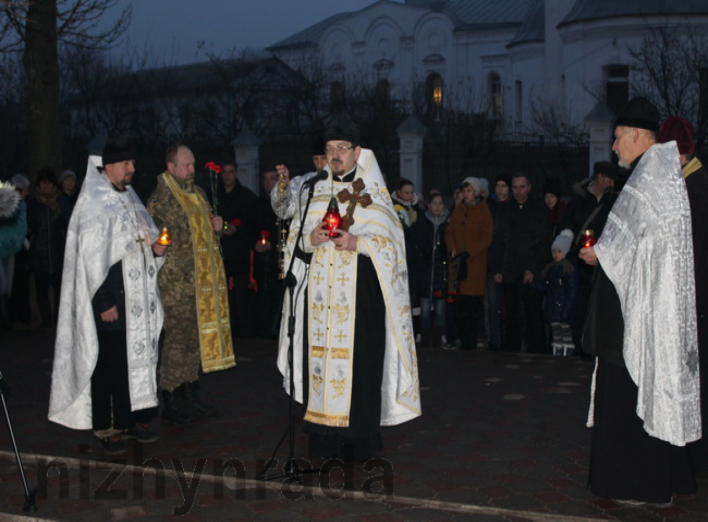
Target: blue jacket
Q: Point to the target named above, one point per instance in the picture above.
(560, 282)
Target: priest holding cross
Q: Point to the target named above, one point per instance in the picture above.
(355, 365)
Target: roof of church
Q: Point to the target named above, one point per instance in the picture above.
(587, 10)
(473, 14)
(465, 14)
(533, 28)
(308, 37)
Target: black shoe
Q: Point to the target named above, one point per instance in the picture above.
(114, 446)
(172, 411)
(140, 433)
(187, 398)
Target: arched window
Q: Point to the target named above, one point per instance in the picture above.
(434, 95)
(494, 91)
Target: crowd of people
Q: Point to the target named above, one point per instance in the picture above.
(148, 297)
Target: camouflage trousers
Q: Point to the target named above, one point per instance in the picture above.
(180, 358)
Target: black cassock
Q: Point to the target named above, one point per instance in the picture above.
(626, 463)
(361, 439)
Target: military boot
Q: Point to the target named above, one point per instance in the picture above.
(171, 410)
(188, 399)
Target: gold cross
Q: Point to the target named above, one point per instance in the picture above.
(342, 279)
(317, 278)
(340, 336)
(353, 198)
(318, 334)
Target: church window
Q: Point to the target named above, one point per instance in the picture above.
(495, 95)
(434, 95)
(616, 86)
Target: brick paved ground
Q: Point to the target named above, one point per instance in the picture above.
(502, 437)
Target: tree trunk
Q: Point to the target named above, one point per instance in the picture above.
(41, 63)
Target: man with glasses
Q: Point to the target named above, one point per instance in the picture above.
(355, 366)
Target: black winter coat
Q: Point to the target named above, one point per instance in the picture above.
(428, 249)
(520, 240)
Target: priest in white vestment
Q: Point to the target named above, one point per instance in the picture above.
(110, 315)
(641, 325)
(355, 364)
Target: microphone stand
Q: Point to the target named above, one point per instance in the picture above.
(30, 496)
(291, 470)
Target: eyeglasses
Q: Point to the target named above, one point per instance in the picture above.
(342, 149)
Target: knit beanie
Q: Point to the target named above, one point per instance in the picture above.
(563, 241)
(503, 177)
(474, 182)
(552, 186)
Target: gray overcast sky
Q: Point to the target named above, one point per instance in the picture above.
(170, 29)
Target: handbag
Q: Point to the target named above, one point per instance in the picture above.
(459, 266)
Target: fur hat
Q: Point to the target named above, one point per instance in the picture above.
(640, 113)
(118, 149)
(474, 182)
(341, 128)
(563, 241)
(679, 130)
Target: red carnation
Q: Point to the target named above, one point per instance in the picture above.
(236, 222)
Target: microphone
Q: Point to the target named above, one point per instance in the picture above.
(321, 175)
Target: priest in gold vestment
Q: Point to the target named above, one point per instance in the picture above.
(355, 365)
(193, 289)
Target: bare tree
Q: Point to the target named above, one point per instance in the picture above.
(668, 65)
(554, 122)
(36, 28)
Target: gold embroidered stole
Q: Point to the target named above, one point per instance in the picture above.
(331, 313)
(213, 319)
(691, 167)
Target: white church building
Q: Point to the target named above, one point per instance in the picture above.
(513, 59)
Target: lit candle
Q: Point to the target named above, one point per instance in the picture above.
(589, 239)
(165, 238)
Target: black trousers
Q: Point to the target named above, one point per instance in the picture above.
(523, 312)
(469, 310)
(110, 395)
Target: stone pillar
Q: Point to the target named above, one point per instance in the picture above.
(411, 133)
(600, 121)
(246, 153)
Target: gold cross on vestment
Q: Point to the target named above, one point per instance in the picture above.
(343, 279)
(340, 336)
(353, 198)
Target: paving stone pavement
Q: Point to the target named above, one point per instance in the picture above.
(502, 438)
